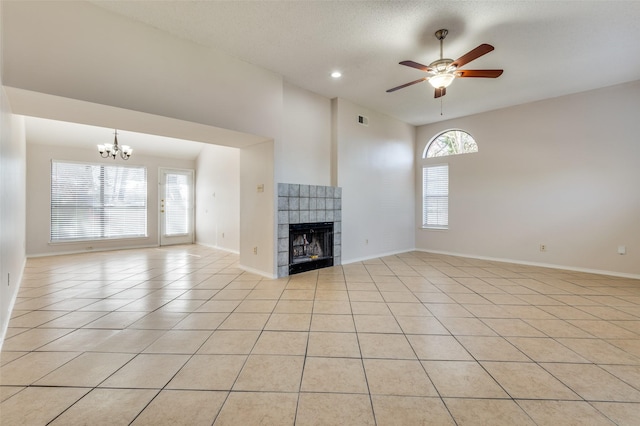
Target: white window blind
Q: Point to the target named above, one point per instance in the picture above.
(177, 204)
(93, 202)
(435, 196)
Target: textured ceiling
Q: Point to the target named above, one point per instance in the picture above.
(547, 49)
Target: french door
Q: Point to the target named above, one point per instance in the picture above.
(176, 206)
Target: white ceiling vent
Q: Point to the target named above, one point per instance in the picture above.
(363, 120)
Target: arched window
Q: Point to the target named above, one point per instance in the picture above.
(435, 177)
(450, 142)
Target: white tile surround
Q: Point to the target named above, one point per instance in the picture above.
(307, 204)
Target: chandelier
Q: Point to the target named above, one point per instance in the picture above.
(108, 150)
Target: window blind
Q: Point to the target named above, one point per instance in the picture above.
(435, 196)
(93, 202)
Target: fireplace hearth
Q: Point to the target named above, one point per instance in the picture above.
(310, 246)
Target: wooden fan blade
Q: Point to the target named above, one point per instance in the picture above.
(416, 65)
(406, 84)
(440, 92)
(483, 49)
(479, 73)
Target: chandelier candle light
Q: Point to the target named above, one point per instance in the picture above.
(108, 150)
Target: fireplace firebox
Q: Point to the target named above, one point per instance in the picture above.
(310, 246)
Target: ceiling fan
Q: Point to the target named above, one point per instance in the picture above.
(443, 71)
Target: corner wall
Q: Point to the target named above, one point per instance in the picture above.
(257, 210)
(561, 172)
(218, 198)
(12, 209)
(375, 168)
(12, 199)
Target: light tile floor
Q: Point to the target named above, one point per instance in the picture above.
(181, 335)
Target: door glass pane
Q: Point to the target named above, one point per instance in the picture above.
(176, 204)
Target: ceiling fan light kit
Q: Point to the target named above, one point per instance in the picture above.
(443, 71)
(441, 80)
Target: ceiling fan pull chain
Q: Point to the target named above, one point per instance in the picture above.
(441, 105)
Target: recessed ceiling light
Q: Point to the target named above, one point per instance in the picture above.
(336, 74)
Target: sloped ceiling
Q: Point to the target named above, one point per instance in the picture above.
(42, 131)
(547, 49)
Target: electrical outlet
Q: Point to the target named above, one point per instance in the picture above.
(223, 235)
(255, 250)
(366, 241)
(543, 247)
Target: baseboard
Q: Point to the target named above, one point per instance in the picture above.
(12, 302)
(376, 256)
(63, 253)
(243, 267)
(213, 246)
(540, 264)
(257, 272)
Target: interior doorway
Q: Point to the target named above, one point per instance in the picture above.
(176, 206)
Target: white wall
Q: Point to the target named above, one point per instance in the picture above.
(561, 172)
(218, 197)
(38, 212)
(303, 154)
(257, 209)
(12, 200)
(12, 209)
(375, 168)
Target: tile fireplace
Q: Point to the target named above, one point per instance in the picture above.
(305, 214)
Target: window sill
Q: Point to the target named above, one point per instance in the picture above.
(96, 240)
